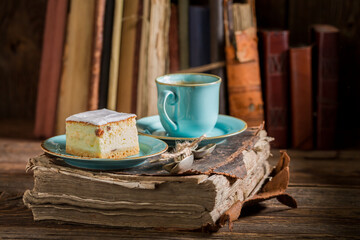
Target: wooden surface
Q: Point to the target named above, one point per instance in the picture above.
(326, 186)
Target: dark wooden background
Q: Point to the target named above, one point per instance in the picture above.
(21, 31)
(21, 35)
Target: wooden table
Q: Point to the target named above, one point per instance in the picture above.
(325, 184)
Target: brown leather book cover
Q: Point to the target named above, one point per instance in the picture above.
(275, 46)
(174, 39)
(244, 84)
(325, 69)
(93, 98)
(301, 97)
(50, 70)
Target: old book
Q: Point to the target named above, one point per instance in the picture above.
(301, 97)
(93, 98)
(157, 53)
(174, 39)
(106, 54)
(242, 63)
(326, 77)
(184, 33)
(50, 69)
(199, 35)
(143, 6)
(217, 46)
(141, 96)
(115, 55)
(148, 196)
(127, 63)
(74, 87)
(275, 71)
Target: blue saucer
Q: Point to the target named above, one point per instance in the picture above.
(225, 127)
(149, 147)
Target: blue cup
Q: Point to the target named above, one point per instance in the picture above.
(188, 104)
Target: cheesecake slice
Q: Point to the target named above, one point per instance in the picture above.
(102, 134)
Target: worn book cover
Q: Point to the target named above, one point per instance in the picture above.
(106, 54)
(301, 97)
(141, 93)
(217, 53)
(242, 63)
(128, 52)
(148, 196)
(174, 57)
(157, 56)
(50, 68)
(326, 77)
(199, 35)
(97, 45)
(115, 55)
(184, 34)
(275, 48)
(76, 69)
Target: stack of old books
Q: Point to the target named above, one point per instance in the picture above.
(148, 196)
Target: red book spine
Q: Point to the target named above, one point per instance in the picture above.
(50, 68)
(301, 98)
(326, 67)
(275, 67)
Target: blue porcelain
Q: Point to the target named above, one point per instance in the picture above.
(225, 127)
(188, 104)
(149, 147)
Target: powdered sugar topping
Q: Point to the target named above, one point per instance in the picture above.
(100, 117)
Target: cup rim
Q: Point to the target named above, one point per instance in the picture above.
(189, 85)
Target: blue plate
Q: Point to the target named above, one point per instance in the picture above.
(225, 127)
(149, 147)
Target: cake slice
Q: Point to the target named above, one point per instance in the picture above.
(102, 134)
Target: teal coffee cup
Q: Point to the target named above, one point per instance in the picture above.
(188, 104)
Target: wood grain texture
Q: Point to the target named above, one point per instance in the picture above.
(75, 79)
(21, 28)
(157, 56)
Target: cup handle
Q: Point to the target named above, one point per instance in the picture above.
(164, 95)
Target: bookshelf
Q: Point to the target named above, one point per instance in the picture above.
(23, 25)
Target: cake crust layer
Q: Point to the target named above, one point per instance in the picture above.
(116, 154)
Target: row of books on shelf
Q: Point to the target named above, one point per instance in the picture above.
(108, 53)
(300, 86)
